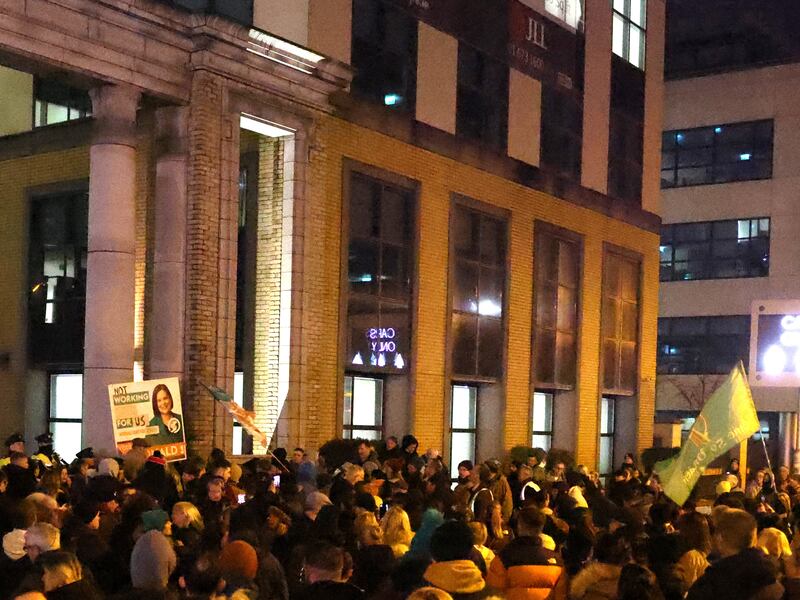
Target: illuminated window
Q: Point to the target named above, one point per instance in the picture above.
(463, 425)
(55, 103)
(715, 249)
(556, 291)
(363, 408)
(479, 280)
(628, 35)
(66, 413)
(717, 154)
(238, 431)
(380, 268)
(702, 345)
(542, 420)
(620, 323)
(57, 256)
(607, 427)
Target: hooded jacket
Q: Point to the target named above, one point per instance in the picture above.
(525, 570)
(152, 561)
(744, 576)
(598, 581)
(459, 578)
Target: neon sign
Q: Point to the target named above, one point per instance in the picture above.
(380, 349)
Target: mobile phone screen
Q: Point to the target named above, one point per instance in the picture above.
(241, 498)
(276, 480)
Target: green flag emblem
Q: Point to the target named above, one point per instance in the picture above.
(728, 418)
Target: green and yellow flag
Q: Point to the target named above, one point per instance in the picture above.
(728, 418)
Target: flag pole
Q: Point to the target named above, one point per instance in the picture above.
(743, 465)
(766, 454)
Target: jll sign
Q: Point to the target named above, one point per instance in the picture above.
(539, 47)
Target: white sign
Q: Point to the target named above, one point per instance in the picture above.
(775, 343)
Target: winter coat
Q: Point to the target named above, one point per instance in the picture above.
(598, 581)
(79, 590)
(747, 575)
(525, 570)
(461, 579)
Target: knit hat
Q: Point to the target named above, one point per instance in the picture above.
(152, 561)
(154, 520)
(157, 459)
(238, 560)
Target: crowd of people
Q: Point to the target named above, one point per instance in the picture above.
(388, 523)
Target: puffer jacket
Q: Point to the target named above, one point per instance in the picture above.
(598, 581)
(525, 570)
(460, 578)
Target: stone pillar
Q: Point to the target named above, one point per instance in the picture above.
(109, 348)
(166, 325)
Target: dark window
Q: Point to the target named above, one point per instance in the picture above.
(55, 102)
(715, 249)
(562, 131)
(698, 345)
(556, 291)
(384, 53)
(482, 102)
(57, 279)
(479, 280)
(380, 267)
(626, 132)
(620, 323)
(716, 154)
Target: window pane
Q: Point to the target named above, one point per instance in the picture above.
(393, 216)
(238, 439)
(57, 114)
(541, 441)
(606, 455)
(490, 347)
(542, 419)
(618, 36)
(363, 267)
(66, 439)
(367, 402)
(462, 447)
(362, 207)
(67, 399)
(465, 344)
(490, 303)
(636, 48)
(465, 286)
(464, 406)
(638, 12)
(492, 241)
(465, 233)
(607, 416)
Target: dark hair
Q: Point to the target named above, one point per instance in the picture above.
(325, 557)
(161, 387)
(202, 575)
(695, 532)
(299, 449)
(365, 442)
(451, 541)
(612, 548)
(530, 519)
(467, 464)
(637, 583)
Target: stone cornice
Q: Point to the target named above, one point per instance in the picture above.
(153, 47)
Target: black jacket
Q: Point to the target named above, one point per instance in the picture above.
(748, 575)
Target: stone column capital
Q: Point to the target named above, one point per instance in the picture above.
(114, 110)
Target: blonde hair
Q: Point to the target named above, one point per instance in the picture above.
(396, 527)
(43, 506)
(190, 510)
(479, 533)
(63, 566)
(368, 532)
(352, 470)
(429, 593)
(44, 536)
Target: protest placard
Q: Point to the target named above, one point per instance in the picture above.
(150, 410)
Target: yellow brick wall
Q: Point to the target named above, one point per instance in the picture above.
(439, 177)
(16, 177)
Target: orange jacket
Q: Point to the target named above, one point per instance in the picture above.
(534, 572)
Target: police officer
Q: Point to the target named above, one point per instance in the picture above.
(14, 443)
(45, 454)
